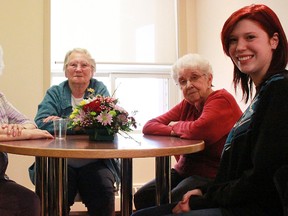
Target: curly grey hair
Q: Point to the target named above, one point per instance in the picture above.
(190, 61)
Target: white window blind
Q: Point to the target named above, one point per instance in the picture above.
(134, 43)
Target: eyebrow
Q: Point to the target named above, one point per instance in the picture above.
(246, 33)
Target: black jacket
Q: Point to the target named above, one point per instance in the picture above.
(257, 147)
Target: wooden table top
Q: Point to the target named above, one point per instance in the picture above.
(79, 146)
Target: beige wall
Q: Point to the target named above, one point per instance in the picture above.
(21, 24)
(187, 41)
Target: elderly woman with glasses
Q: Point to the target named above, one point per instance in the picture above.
(203, 114)
(93, 179)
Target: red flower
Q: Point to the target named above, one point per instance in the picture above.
(92, 106)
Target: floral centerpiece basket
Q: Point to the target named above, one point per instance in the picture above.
(101, 117)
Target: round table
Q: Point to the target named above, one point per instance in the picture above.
(51, 163)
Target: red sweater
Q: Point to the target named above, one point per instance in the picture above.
(219, 114)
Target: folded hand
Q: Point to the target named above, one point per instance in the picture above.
(183, 206)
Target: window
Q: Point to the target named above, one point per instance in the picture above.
(134, 44)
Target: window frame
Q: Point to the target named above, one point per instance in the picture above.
(114, 70)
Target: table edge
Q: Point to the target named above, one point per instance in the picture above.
(104, 153)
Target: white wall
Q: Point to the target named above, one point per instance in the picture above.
(211, 16)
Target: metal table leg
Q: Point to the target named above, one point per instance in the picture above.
(51, 185)
(126, 186)
(41, 183)
(163, 180)
(52, 179)
(57, 178)
(163, 183)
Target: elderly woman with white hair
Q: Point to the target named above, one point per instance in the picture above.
(14, 198)
(203, 114)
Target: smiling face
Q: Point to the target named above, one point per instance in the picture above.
(251, 49)
(195, 85)
(78, 70)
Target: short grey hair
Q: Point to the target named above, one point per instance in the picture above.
(191, 61)
(79, 50)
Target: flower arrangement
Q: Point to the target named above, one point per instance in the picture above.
(101, 112)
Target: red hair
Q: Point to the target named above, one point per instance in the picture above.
(270, 23)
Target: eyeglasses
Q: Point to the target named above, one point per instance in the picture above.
(192, 79)
(76, 65)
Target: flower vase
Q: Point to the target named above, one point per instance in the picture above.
(100, 134)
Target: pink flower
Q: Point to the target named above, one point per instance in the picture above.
(105, 118)
(122, 118)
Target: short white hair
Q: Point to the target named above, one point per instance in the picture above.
(1, 60)
(191, 61)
